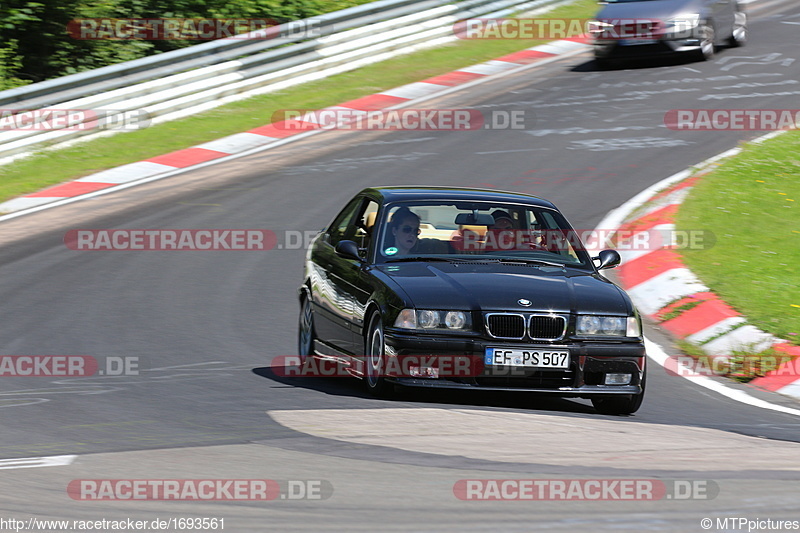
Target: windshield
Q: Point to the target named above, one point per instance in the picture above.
(478, 231)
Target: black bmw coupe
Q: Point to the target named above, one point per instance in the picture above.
(469, 289)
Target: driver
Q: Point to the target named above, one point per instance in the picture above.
(404, 227)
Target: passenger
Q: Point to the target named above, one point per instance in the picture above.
(502, 220)
(500, 235)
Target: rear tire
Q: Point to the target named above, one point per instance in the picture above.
(620, 405)
(375, 359)
(739, 36)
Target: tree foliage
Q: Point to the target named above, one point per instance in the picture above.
(35, 45)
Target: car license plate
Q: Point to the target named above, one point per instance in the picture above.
(530, 358)
(635, 42)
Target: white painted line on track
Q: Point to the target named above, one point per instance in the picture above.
(657, 354)
(614, 219)
(37, 462)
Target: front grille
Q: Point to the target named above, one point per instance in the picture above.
(642, 29)
(547, 327)
(506, 326)
(519, 326)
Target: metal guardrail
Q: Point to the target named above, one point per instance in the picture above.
(180, 82)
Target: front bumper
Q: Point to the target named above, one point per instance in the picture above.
(617, 49)
(589, 363)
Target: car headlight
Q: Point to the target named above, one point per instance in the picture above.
(455, 320)
(615, 326)
(633, 328)
(598, 27)
(407, 319)
(432, 319)
(427, 319)
(588, 325)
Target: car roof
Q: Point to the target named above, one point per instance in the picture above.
(410, 193)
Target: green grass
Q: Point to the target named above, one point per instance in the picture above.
(752, 204)
(49, 168)
(679, 310)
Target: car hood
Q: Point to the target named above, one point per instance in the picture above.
(651, 9)
(495, 287)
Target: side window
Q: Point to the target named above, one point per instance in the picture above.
(366, 225)
(342, 226)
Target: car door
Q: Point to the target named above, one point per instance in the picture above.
(333, 301)
(360, 276)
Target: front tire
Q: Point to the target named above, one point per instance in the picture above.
(708, 38)
(375, 359)
(305, 330)
(620, 405)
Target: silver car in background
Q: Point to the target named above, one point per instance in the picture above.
(646, 28)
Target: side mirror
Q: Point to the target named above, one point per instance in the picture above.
(348, 250)
(608, 259)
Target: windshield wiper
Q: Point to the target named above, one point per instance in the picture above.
(504, 260)
(523, 261)
(425, 258)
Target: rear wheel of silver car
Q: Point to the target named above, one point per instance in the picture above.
(739, 35)
(305, 330)
(374, 358)
(707, 39)
(620, 405)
